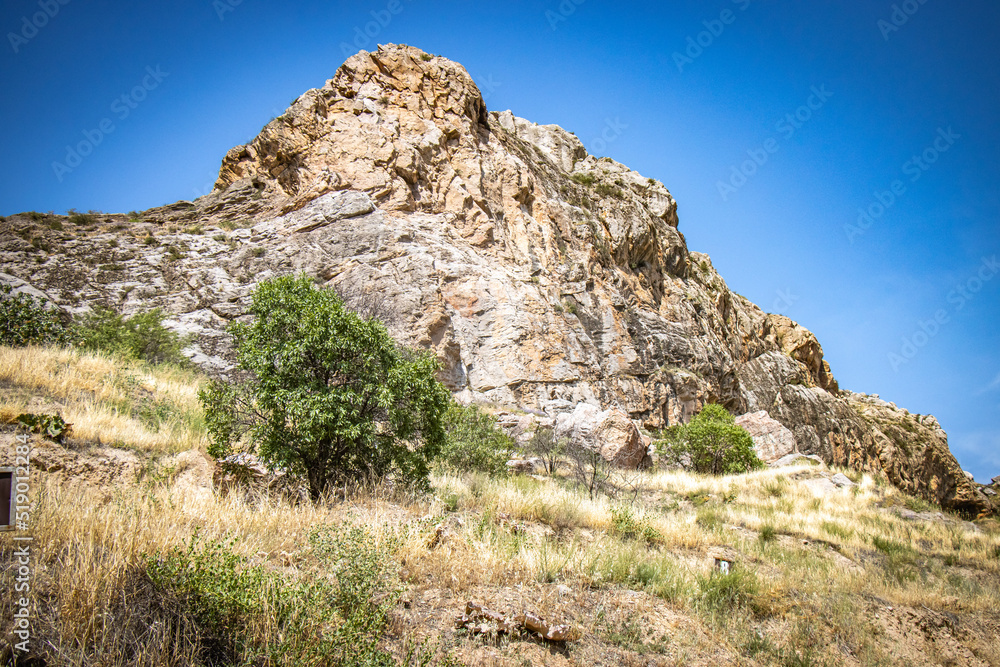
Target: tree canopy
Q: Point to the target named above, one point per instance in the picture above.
(324, 393)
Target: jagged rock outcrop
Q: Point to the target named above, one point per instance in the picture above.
(542, 277)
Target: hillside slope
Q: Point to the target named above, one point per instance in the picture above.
(860, 574)
(541, 276)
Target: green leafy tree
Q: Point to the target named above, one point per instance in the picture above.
(474, 442)
(25, 320)
(712, 444)
(325, 394)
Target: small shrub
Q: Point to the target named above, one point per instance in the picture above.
(221, 238)
(35, 216)
(426, 57)
(25, 320)
(150, 240)
(258, 252)
(248, 614)
(52, 427)
(589, 469)
(758, 644)
(83, 219)
(606, 190)
(584, 179)
(174, 253)
(711, 444)
(775, 488)
(547, 447)
(112, 243)
(473, 441)
(767, 534)
(56, 225)
(141, 336)
(720, 593)
(366, 587)
(625, 523)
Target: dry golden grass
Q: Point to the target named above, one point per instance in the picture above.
(107, 399)
(816, 572)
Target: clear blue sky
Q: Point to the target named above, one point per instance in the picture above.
(211, 74)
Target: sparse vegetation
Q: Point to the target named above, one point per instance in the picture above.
(170, 576)
(548, 448)
(584, 178)
(607, 190)
(82, 219)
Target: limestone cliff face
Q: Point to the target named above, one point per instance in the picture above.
(541, 276)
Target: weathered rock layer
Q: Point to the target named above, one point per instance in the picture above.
(541, 276)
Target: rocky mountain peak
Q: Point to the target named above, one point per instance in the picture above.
(542, 277)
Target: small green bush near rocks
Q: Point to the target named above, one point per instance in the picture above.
(474, 442)
(25, 320)
(141, 336)
(711, 444)
(53, 427)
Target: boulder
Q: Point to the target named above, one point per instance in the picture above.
(842, 480)
(796, 459)
(610, 432)
(771, 440)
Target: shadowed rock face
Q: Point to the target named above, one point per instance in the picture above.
(540, 276)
